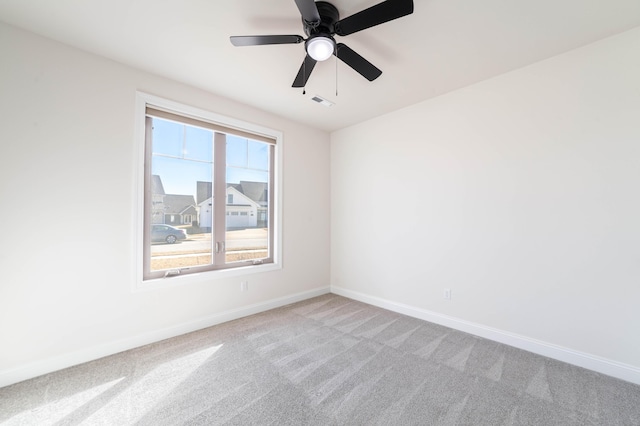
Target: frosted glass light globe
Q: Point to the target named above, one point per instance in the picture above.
(320, 48)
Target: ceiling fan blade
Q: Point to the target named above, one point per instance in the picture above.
(260, 40)
(375, 15)
(309, 11)
(357, 62)
(304, 72)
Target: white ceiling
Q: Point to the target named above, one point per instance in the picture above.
(442, 46)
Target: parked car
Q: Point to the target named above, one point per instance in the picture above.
(167, 234)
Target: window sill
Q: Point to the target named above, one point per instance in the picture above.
(199, 277)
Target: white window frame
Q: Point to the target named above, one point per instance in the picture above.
(139, 283)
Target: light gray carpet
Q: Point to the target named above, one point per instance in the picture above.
(325, 361)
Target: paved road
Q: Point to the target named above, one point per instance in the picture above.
(242, 239)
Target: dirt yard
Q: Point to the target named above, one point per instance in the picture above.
(242, 245)
(185, 260)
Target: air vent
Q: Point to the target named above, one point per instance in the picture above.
(322, 101)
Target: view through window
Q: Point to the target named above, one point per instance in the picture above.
(208, 196)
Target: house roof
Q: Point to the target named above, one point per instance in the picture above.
(156, 185)
(256, 191)
(203, 191)
(238, 201)
(178, 204)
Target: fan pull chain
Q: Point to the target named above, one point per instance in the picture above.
(336, 74)
(304, 76)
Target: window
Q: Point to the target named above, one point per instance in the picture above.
(194, 160)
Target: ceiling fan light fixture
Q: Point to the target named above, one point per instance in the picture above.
(321, 22)
(320, 48)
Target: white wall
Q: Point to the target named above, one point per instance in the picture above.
(67, 148)
(528, 207)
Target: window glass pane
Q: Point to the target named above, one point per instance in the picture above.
(247, 224)
(258, 156)
(236, 151)
(198, 144)
(181, 176)
(167, 137)
(193, 221)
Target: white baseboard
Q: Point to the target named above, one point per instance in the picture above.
(601, 365)
(38, 368)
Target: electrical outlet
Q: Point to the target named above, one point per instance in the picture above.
(244, 285)
(447, 294)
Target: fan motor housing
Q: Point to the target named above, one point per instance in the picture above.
(328, 17)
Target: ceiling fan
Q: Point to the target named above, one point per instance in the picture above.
(321, 21)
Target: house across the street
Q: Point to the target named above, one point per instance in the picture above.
(246, 205)
(179, 209)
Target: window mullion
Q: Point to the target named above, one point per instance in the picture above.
(148, 198)
(219, 197)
